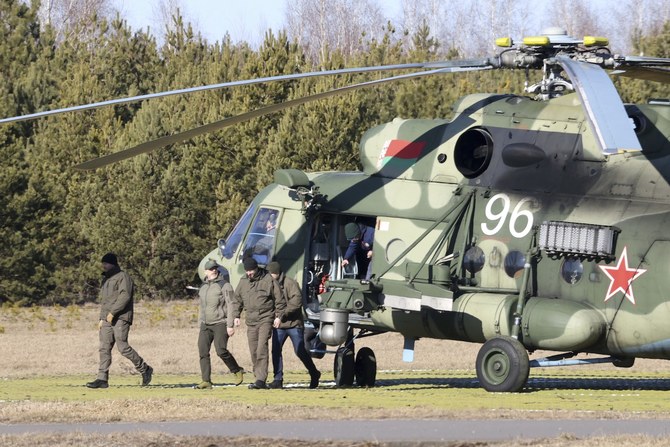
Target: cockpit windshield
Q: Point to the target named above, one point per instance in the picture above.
(261, 238)
(235, 237)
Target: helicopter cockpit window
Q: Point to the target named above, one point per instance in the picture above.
(572, 270)
(228, 246)
(473, 261)
(260, 240)
(514, 262)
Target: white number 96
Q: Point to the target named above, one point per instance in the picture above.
(498, 218)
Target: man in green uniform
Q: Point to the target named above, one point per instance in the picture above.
(216, 324)
(260, 295)
(291, 326)
(116, 317)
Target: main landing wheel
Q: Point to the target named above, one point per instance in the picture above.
(502, 365)
(344, 367)
(365, 367)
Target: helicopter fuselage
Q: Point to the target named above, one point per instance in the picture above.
(505, 221)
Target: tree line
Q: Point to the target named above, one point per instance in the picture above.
(162, 212)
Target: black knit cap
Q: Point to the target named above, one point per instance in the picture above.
(110, 258)
(274, 267)
(250, 264)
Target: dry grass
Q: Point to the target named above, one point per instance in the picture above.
(156, 440)
(166, 440)
(64, 341)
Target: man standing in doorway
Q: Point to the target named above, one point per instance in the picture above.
(116, 317)
(260, 295)
(360, 237)
(292, 327)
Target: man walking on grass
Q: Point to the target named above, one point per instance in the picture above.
(216, 325)
(116, 317)
(259, 294)
(291, 326)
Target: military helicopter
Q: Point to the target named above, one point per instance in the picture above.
(523, 223)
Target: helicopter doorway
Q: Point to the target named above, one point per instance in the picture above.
(340, 248)
(356, 248)
(330, 246)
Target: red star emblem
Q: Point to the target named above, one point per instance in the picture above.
(622, 277)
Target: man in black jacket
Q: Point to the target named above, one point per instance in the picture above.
(116, 317)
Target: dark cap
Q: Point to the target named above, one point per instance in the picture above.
(351, 230)
(250, 264)
(110, 258)
(211, 265)
(274, 267)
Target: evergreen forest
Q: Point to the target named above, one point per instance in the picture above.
(162, 212)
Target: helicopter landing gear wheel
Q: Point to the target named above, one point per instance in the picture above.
(344, 367)
(502, 365)
(365, 367)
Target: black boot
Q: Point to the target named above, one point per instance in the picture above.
(314, 379)
(146, 376)
(97, 383)
(258, 385)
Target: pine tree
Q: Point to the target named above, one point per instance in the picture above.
(25, 88)
(65, 200)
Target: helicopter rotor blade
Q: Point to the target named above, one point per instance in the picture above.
(211, 127)
(355, 70)
(644, 68)
(602, 104)
(643, 61)
(646, 74)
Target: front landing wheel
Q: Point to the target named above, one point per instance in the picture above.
(344, 367)
(502, 365)
(365, 367)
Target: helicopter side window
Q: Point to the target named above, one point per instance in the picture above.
(260, 240)
(514, 262)
(473, 260)
(572, 270)
(228, 246)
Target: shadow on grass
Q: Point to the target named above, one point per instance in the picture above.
(543, 383)
(537, 383)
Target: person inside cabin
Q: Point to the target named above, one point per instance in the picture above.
(263, 248)
(360, 237)
(271, 224)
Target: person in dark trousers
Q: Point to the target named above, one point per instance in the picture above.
(292, 327)
(116, 317)
(360, 239)
(216, 325)
(260, 295)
